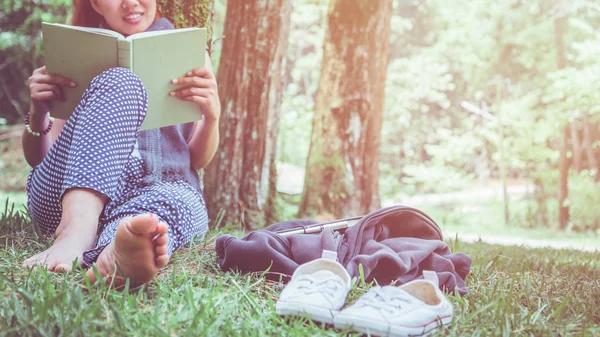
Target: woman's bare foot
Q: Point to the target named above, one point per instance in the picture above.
(68, 246)
(59, 257)
(76, 232)
(138, 252)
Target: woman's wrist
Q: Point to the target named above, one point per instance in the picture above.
(210, 121)
(38, 120)
(38, 124)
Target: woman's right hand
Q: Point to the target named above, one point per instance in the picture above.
(44, 88)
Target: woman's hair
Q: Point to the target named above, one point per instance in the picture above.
(83, 14)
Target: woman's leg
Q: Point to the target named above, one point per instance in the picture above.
(81, 172)
(180, 209)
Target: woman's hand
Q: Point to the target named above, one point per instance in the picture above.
(200, 87)
(44, 88)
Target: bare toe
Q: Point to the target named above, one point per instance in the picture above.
(162, 260)
(63, 268)
(142, 224)
(161, 250)
(162, 240)
(161, 229)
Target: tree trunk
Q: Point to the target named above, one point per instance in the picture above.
(250, 81)
(587, 144)
(188, 13)
(576, 146)
(343, 161)
(563, 191)
(271, 206)
(563, 164)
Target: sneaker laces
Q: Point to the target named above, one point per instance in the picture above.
(307, 285)
(380, 300)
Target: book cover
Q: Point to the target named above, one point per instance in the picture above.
(157, 57)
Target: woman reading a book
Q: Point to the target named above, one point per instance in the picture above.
(111, 194)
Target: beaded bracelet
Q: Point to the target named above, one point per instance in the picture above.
(38, 134)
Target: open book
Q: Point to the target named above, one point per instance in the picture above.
(156, 57)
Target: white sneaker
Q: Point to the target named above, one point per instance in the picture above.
(413, 309)
(317, 289)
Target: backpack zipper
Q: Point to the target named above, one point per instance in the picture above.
(415, 211)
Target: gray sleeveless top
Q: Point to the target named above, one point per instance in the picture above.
(165, 151)
(166, 154)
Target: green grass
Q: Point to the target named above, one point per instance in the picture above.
(514, 292)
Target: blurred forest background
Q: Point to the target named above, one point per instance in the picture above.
(485, 114)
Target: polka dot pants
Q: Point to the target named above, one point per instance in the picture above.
(97, 150)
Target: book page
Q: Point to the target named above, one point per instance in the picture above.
(100, 31)
(79, 55)
(160, 32)
(157, 60)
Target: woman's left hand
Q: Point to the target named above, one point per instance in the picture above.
(200, 87)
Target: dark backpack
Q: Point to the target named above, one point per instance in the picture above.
(393, 244)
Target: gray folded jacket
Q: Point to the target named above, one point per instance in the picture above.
(392, 244)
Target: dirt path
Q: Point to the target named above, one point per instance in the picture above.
(480, 194)
(514, 241)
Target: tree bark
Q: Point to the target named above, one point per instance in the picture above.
(576, 146)
(188, 13)
(343, 162)
(563, 164)
(563, 191)
(250, 81)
